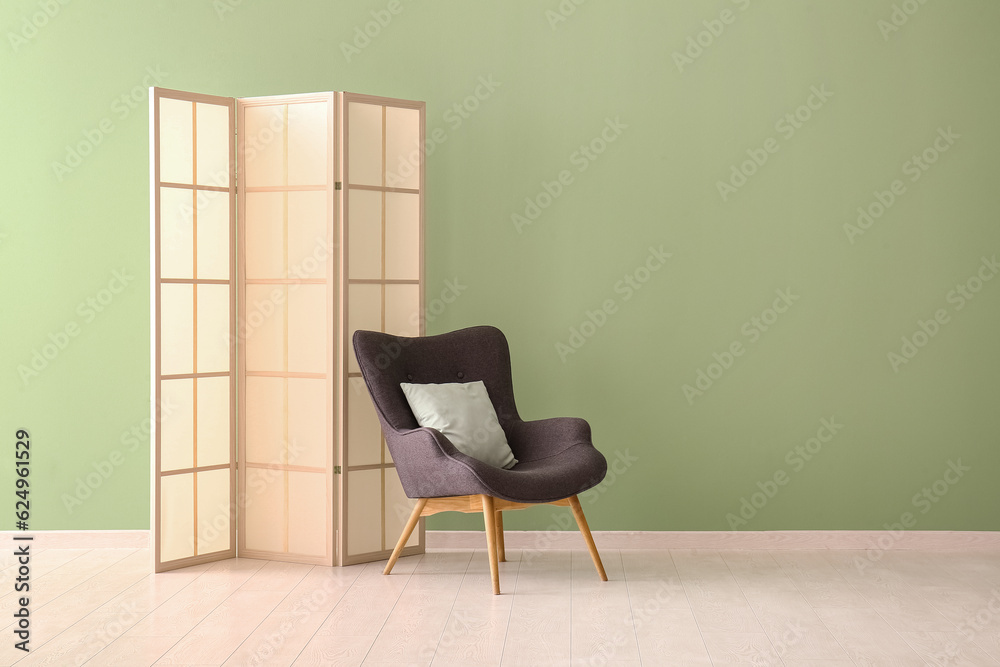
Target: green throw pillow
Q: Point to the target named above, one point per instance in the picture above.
(464, 414)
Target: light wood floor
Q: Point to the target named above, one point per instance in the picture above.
(678, 607)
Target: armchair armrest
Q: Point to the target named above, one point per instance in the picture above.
(539, 439)
(429, 466)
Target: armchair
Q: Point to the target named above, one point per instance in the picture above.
(556, 459)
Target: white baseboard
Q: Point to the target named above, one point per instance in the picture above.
(929, 540)
(79, 539)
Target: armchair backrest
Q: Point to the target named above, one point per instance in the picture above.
(466, 355)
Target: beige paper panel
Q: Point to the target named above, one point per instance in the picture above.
(264, 235)
(176, 517)
(364, 311)
(213, 145)
(265, 509)
(309, 342)
(402, 310)
(213, 328)
(264, 145)
(177, 424)
(364, 234)
(176, 141)
(364, 143)
(213, 235)
(176, 329)
(307, 410)
(397, 510)
(214, 511)
(309, 249)
(357, 396)
(265, 420)
(402, 236)
(264, 314)
(176, 233)
(214, 443)
(402, 147)
(308, 140)
(364, 511)
(308, 513)
(364, 434)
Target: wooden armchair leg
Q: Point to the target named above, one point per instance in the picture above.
(407, 531)
(489, 517)
(501, 554)
(581, 521)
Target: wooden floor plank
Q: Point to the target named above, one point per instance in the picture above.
(685, 607)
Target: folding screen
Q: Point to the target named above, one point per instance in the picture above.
(253, 307)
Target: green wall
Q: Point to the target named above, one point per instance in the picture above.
(641, 139)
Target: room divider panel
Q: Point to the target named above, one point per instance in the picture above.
(280, 225)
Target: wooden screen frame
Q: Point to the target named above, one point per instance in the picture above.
(156, 185)
(343, 101)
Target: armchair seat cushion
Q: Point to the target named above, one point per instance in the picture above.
(571, 471)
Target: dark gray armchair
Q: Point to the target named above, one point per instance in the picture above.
(556, 458)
